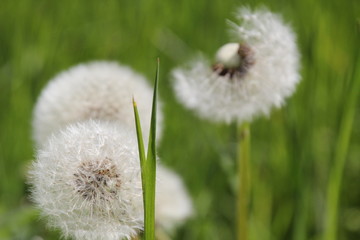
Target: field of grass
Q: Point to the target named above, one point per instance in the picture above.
(300, 154)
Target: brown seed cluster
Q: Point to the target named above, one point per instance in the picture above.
(246, 61)
(98, 180)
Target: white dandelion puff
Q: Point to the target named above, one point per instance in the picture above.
(96, 90)
(256, 72)
(173, 205)
(86, 181)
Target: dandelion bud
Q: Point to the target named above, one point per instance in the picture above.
(86, 181)
(96, 90)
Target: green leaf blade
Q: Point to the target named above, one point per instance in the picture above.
(150, 168)
(140, 144)
(148, 164)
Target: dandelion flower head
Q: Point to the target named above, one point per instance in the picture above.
(252, 74)
(96, 90)
(86, 181)
(173, 204)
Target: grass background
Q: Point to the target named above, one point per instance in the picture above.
(293, 151)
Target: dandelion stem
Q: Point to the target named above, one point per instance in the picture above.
(243, 198)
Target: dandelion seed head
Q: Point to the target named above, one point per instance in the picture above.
(97, 180)
(250, 76)
(96, 90)
(86, 181)
(173, 205)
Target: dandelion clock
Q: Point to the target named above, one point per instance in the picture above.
(86, 182)
(256, 72)
(96, 90)
(249, 76)
(173, 205)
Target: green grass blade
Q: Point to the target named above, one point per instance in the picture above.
(139, 134)
(152, 136)
(341, 152)
(150, 168)
(140, 143)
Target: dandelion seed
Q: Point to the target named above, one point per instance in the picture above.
(256, 72)
(86, 181)
(173, 205)
(96, 90)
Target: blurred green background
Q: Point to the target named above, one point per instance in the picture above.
(298, 153)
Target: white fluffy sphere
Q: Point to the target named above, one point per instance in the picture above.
(96, 90)
(267, 74)
(173, 204)
(86, 181)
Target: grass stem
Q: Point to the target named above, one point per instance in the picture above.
(148, 164)
(341, 150)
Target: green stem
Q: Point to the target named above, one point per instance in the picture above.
(341, 150)
(243, 198)
(148, 164)
(150, 168)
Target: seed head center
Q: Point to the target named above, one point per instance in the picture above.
(234, 60)
(97, 180)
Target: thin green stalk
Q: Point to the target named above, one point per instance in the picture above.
(302, 214)
(337, 170)
(243, 198)
(148, 165)
(140, 143)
